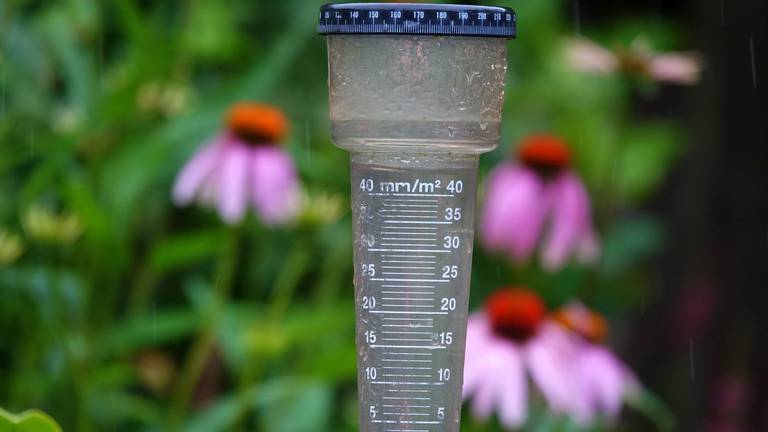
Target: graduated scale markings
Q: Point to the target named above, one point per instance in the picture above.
(413, 197)
(414, 236)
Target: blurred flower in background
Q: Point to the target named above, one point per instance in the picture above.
(540, 191)
(320, 208)
(11, 246)
(155, 369)
(243, 165)
(674, 67)
(731, 396)
(510, 339)
(562, 352)
(166, 99)
(602, 381)
(44, 224)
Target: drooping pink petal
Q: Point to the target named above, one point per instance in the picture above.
(494, 374)
(192, 177)
(571, 220)
(477, 341)
(604, 379)
(677, 68)
(478, 384)
(588, 249)
(514, 211)
(499, 383)
(232, 182)
(549, 360)
(208, 193)
(483, 400)
(513, 391)
(274, 185)
(584, 55)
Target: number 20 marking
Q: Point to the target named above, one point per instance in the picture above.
(447, 304)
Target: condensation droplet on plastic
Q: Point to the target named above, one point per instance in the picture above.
(471, 76)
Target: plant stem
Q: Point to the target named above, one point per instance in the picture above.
(285, 286)
(142, 290)
(288, 279)
(204, 344)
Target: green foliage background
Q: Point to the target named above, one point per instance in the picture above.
(159, 318)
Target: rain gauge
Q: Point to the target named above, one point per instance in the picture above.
(416, 94)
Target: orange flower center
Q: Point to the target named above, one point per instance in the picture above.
(586, 323)
(256, 123)
(546, 152)
(631, 61)
(515, 312)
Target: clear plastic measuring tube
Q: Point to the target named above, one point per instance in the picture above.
(416, 92)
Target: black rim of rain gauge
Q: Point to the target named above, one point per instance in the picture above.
(417, 19)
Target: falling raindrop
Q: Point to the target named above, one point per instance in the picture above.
(154, 322)
(578, 142)
(576, 17)
(690, 349)
(31, 143)
(722, 12)
(4, 92)
(102, 62)
(752, 58)
(306, 141)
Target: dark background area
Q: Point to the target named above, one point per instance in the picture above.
(712, 277)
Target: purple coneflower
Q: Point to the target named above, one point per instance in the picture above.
(506, 343)
(542, 193)
(601, 381)
(674, 67)
(244, 165)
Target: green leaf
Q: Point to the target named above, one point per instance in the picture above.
(246, 332)
(335, 361)
(654, 408)
(629, 241)
(644, 159)
(72, 56)
(28, 421)
(222, 415)
(186, 249)
(110, 407)
(48, 293)
(25, 68)
(202, 35)
(296, 406)
(287, 404)
(150, 329)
